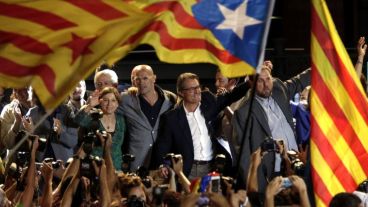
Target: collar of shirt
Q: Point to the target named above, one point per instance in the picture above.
(197, 110)
(263, 101)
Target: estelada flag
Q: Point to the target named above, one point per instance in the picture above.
(52, 45)
(339, 146)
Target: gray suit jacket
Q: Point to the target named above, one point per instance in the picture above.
(258, 128)
(69, 133)
(140, 134)
(64, 149)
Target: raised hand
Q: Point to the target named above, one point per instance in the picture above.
(28, 124)
(94, 99)
(57, 126)
(303, 153)
(274, 186)
(361, 47)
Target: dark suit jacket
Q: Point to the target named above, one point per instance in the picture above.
(174, 132)
(258, 129)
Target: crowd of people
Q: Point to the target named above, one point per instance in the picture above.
(246, 144)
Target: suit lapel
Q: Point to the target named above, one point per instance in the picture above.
(184, 127)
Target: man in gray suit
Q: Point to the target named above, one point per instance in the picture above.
(270, 116)
(65, 126)
(142, 112)
(59, 127)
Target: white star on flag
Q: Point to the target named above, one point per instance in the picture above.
(237, 19)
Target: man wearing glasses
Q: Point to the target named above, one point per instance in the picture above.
(189, 128)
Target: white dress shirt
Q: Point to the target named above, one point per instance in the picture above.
(202, 143)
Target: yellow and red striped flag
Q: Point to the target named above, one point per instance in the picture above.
(339, 105)
(51, 45)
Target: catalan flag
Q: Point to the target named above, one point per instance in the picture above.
(339, 146)
(51, 45)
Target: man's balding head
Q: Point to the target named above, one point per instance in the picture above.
(138, 68)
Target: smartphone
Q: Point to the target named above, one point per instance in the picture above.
(216, 184)
(286, 183)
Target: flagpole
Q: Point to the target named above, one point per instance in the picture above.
(238, 176)
(259, 66)
(265, 36)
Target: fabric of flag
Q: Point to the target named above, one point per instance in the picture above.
(339, 119)
(204, 183)
(52, 45)
(185, 32)
(239, 25)
(195, 185)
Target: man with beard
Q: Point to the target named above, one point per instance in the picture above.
(142, 111)
(63, 131)
(64, 125)
(270, 116)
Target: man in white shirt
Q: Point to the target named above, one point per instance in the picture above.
(188, 129)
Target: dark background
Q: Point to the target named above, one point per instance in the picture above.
(288, 45)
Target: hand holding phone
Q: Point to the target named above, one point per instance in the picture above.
(286, 183)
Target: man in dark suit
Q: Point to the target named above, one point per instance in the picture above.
(270, 116)
(188, 129)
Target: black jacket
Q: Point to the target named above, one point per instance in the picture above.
(174, 132)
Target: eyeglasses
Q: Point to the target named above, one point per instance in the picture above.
(103, 84)
(192, 89)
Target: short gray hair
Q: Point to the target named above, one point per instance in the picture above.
(108, 72)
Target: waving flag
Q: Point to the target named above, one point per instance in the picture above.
(241, 26)
(51, 45)
(339, 146)
(228, 33)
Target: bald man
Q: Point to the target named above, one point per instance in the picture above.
(142, 112)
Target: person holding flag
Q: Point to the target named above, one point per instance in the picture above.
(270, 117)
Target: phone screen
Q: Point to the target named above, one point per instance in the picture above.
(216, 184)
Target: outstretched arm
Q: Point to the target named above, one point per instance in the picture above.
(69, 192)
(178, 169)
(272, 189)
(47, 173)
(252, 182)
(27, 196)
(110, 169)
